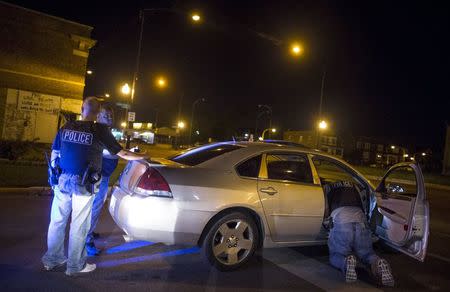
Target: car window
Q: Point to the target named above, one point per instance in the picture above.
(292, 167)
(331, 172)
(250, 167)
(204, 153)
(401, 181)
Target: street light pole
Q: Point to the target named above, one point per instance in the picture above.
(271, 129)
(269, 111)
(192, 117)
(321, 93)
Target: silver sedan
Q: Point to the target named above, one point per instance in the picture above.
(232, 198)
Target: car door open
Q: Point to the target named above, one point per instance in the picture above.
(401, 216)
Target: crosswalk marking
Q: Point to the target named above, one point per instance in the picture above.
(433, 255)
(321, 275)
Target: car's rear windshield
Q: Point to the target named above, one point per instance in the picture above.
(204, 153)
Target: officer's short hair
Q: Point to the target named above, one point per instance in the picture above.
(92, 104)
(106, 107)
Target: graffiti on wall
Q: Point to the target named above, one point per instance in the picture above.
(31, 116)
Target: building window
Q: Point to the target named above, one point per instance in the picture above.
(358, 145)
(366, 156)
(366, 146)
(380, 148)
(300, 139)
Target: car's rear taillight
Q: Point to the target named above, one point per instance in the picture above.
(152, 183)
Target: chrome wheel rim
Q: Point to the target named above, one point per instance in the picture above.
(232, 242)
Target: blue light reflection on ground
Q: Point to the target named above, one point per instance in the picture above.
(128, 246)
(114, 263)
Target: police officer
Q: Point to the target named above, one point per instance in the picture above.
(350, 234)
(109, 164)
(78, 145)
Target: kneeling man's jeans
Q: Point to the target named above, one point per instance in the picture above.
(350, 238)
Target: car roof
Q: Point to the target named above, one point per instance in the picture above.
(229, 160)
(248, 149)
(284, 142)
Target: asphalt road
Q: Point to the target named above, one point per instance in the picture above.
(144, 266)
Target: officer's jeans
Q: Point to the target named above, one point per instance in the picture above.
(62, 206)
(350, 238)
(97, 206)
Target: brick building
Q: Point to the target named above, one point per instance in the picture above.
(369, 151)
(42, 72)
(327, 141)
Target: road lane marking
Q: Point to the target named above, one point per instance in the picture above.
(441, 234)
(321, 275)
(433, 255)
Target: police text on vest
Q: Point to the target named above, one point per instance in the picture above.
(77, 137)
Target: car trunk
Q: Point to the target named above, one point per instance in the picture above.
(134, 170)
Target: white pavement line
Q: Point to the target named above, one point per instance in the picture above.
(322, 275)
(433, 255)
(441, 234)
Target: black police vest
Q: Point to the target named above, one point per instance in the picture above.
(80, 147)
(343, 195)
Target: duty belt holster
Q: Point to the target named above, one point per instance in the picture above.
(90, 179)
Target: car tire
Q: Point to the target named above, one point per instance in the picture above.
(231, 241)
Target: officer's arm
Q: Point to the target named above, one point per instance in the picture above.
(128, 155)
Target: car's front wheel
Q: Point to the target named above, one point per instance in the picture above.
(231, 241)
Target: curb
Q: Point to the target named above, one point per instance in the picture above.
(38, 191)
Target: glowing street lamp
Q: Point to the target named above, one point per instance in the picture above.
(195, 17)
(107, 95)
(296, 49)
(323, 125)
(161, 82)
(89, 72)
(125, 89)
(123, 124)
(181, 125)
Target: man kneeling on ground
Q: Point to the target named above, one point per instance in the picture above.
(350, 234)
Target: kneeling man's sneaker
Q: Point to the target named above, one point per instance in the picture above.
(49, 267)
(87, 268)
(384, 273)
(350, 269)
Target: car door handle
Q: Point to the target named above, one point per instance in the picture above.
(270, 191)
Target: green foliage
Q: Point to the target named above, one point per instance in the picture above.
(23, 150)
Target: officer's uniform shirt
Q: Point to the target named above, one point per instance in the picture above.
(81, 143)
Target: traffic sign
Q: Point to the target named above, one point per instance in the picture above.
(131, 116)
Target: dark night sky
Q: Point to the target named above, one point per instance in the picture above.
(387, 62)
